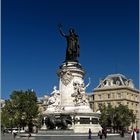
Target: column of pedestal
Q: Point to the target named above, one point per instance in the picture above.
(67, 90)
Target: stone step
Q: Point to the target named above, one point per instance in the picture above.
(55, 132)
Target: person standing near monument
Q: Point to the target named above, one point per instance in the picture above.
(73, 46)
(89, 134)
(100, 134)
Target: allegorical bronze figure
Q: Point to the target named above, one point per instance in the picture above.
(73, 47)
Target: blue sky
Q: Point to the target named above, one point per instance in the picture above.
(33, 50)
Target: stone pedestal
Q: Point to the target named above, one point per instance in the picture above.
(69, 73)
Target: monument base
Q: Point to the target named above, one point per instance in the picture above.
(84, 122)
(80, 122)
(69, 106)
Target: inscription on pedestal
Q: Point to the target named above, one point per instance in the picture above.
(84, 120)
(95, 121)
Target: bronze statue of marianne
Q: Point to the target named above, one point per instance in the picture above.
(73, 47)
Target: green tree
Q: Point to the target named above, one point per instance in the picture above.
(31, 109)
(118, 118)
(124, 117)
(24, 108)
(103, 118)
(111, 116)
(7, 115)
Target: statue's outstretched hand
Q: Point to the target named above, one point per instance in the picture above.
(60, 30)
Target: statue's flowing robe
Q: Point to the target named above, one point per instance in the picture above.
(73, 47)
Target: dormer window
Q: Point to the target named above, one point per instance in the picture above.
(117, 83)
(126, 83)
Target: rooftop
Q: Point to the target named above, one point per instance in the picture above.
(115, 80)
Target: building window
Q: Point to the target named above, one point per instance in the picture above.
(117, 83)
(132, 97)
(136, 99)
(113, 95)
(119, 95)
(108, 96)
(100, 97)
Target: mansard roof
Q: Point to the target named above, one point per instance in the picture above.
(115, 80)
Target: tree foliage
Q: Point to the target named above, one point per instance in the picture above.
(7, 116)
(118, 118)
(103, 117)
(20, 110)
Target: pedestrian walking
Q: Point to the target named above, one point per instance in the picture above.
(105, 133)
(134, 135)
(89, 134)
(100, 134)
(29, 135)
(3, 131)
(122, 133)
(14, 135)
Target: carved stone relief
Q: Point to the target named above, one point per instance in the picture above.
(66, 77)
(80, 97)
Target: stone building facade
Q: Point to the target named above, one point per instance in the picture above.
(116, 89)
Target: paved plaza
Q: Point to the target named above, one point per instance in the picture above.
(62, 137)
